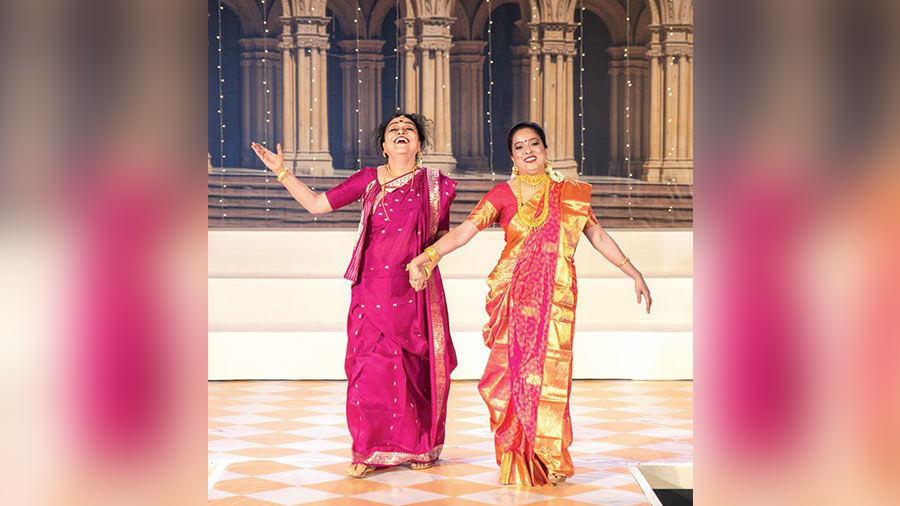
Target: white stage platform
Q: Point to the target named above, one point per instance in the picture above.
(303, 336)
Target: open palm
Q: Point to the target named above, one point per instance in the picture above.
(274, 161)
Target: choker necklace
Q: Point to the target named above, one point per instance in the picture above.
(533, 181)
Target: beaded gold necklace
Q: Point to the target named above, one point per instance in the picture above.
(533, 222)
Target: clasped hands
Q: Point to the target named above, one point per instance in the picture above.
(419, 272)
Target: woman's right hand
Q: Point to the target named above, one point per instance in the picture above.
(274, 161)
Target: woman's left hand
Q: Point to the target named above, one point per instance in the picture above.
(641, 290)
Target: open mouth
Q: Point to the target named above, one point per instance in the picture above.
(401, 140)
(529, 159)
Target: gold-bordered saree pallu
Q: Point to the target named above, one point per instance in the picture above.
(531, 307)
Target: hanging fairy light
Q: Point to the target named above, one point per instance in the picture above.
(358, 86)
(265, 84)
(221, 83)
(628, 42)
(490, 93)
(581, 81)
(397, 55)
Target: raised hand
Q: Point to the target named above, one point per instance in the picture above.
(274, 161)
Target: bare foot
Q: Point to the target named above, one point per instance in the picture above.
(418, 466)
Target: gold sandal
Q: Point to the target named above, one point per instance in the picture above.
(359, 470)
(556, 478)
(418, 466)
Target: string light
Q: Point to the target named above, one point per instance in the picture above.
(628, 43)
(397, 55)
(358, 83)
(265, 83)
(581, 81)
(490, 92)
(221, 81)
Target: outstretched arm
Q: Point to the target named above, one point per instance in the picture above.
(451, 241)
(315, 203)
(602, 242)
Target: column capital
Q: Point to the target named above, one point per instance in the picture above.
(434, 33)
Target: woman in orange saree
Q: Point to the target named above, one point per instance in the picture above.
(531, 306)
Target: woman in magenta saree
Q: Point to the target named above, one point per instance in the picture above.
(399, 354)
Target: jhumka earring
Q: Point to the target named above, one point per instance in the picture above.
(418, 159)
(384, 154)
(548, 167)
(515, 170)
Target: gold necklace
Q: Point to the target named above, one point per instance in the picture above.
(534, 222)
(533, 181)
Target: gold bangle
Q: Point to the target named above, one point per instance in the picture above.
(428, 271)
(433, 254)
(622, 264)
(284, 172)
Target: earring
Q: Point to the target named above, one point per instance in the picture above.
(515, 170)
(418, 159)
(384, 154)
(548, 167)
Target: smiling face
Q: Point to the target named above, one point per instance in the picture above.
(528, 152)
(400, 137)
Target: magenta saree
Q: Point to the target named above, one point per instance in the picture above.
(399, 354)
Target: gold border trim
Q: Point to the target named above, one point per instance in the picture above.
(378, 458)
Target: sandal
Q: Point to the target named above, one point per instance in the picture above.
(418, 466)
(359, 470)
(556, 478)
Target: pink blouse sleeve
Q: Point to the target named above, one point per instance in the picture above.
(351, 189)
(448, 194)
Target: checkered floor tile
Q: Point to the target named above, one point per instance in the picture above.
(286, 443)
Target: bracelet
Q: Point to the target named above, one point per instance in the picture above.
(623, 262)
(284, 172)
(427, 270)
(433, 254)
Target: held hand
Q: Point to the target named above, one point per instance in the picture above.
(417, 274)
(641, 290)
(274, 161)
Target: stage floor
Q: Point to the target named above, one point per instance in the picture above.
(286, 443)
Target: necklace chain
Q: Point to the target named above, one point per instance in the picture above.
(533, 222)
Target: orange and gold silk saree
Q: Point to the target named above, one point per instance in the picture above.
(531, 309)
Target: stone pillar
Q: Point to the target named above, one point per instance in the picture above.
(551, 64)
(433, 47)
(615, 128)
(305, 104)
(371, 61)
(409, 66)
(259, 61)
(626, 110)
(671, 53)
(468, 115)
